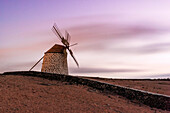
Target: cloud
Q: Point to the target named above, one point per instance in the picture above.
(42, 46)
(157, 76)
(98, 36)
(155, 48)
(145, 49)
(104, 31)
(128, 49)
(19, 66)
(101, 70)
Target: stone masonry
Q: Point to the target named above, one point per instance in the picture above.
(55, 61)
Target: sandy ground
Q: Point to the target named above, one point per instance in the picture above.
(154, 86)
(32, 94)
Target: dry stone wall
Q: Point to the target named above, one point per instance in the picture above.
(55, 63)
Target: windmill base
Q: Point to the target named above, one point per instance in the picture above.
(55, 63)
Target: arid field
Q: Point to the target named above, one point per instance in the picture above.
(154, 86)
(32, 94)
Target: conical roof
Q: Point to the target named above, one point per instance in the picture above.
(57, 49)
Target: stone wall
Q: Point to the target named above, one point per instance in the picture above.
(55, 63)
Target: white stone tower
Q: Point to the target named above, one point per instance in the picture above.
(55, 60)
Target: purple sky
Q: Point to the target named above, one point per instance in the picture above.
(118, 38)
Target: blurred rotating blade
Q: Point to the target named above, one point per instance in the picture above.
(57, 31)
(71, 53)
(73, 44)
(67, 36)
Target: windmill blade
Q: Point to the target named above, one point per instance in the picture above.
(36, 63)
(57, 31)
(68, 37)
(71, 53)
(73, 44)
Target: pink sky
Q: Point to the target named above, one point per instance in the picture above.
(117, 39)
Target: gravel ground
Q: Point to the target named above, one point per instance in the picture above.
(32, 94)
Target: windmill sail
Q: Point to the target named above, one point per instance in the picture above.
(73, 44)
(71, 53)
(67, 36)
(57, 32)
(65, 41)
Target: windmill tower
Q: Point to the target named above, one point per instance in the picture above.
(55, 59)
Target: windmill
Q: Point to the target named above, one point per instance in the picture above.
(55, 59)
